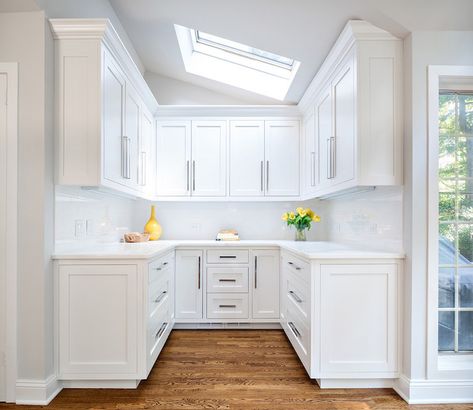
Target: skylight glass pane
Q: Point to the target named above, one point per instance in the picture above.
(239, 48)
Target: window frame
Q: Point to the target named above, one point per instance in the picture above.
(440, 365)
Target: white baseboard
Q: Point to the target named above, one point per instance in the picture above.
(37, 392)
(100, 384)
(354, 383)
(434, 391)
(228, 326)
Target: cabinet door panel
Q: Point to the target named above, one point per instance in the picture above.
(265, 284)
(98, 321)
(146, 157)
(324, 133)
(344, 122)
(189, 284)
(282, 158)
(247, 158)
(114, 144)
(309, 155)
(359, 317)
(209, 158)
(173, 158)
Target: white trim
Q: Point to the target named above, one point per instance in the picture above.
(37, 392)
(248, 111)
(434, 391)
(433, 371)
(11, 70)
(328, 383)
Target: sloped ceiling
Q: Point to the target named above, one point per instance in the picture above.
(301, 29)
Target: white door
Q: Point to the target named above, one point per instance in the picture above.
(309, 153)
(115, 143)
(132, 135)
(323, 129)
(173, 156)
(246, 158)
(189, 284)
(265, 284)
(3, 229)
(209, 170)
(282, 158)
(359, 311)
(343, 91)
(146, 179)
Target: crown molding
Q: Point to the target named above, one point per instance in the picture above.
(355, 31)
(102, 30)
(228, 111)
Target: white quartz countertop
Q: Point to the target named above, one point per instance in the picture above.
(147, 250)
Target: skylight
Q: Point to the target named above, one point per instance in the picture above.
(236, 64)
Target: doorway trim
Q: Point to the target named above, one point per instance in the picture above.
(10, 360)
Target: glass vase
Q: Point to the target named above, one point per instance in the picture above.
(301, 235)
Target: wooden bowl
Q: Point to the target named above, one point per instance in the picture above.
(135, 237)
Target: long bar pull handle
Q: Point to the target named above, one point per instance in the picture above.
(329, 159)
(294, 329)
(143, 169)
(227, 256)
(128, 159)
(161, 330)
(193, 175)
(227, 280)
(161, 296)
(332, 157)
(262, 176)
(267, 176)
(188, 176)
(256, 272)
(124, 156)
(227, 306)
(198, 279)
(312, 168)
(295, 297)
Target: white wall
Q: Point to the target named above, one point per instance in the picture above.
(421, 50)
(169, 91)
(372, 219)
(23, 39)
(102, 216)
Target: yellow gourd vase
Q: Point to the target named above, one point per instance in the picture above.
(152, 227)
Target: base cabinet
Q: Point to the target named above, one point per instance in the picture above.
(343, 319)
(189, 286)
(265, 284)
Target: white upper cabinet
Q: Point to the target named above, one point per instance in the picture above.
(357, 100)
(246, 158)
(100, 97)
(146, 155)
(309, 147)
(173, 156)
(209, 170)
(281, 158)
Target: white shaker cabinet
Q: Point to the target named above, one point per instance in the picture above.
(147, 158)
(309, 153)
(265, 284)
(132, 137)
(173, 156)
(189, 284)
(246, 158)
(282, 158)
(209, 170)
(323, 137)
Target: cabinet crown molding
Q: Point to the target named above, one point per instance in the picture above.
(102, 30)
(355, 31)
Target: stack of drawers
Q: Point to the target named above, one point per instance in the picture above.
(227, 284)
(296, 304)
(160, 305)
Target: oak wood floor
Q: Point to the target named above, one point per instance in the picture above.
(230, 369)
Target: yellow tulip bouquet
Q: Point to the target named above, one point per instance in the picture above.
(301, 219)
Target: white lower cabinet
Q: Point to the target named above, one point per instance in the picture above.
(189, 284)
(112, 318)
(265, 284)
(343, 318)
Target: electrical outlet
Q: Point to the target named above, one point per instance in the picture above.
(79, 228)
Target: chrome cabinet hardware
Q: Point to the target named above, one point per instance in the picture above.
(143, 169)
(227, 256)
(198, 280)
(256, 272)
(227, 280)
(267, 175)
(312, 168)
(125, 157)
(294, 329)
(227, 306)
(262, 176)
(295, 266)
(161, 330)
(295, 297)
(193, 175)
(332, 157)
(188, 176)
(161, 296)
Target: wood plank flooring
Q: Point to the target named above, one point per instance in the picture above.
(230, 369)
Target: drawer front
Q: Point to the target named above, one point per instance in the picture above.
(161, 266)
(158, 327)
(299, 267)
(227, 256)
(298, 329)
(297, 295)
(227, 306)
(159, 292)
(223, 279)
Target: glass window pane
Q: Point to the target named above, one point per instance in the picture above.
(464, 157)
(465, 331)
(465, 114)
(465, 244)
(446, 287)
(465, 207)
(447, 239)
(465, 287)
(446, 331)
(447, 157)
(447, 206)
